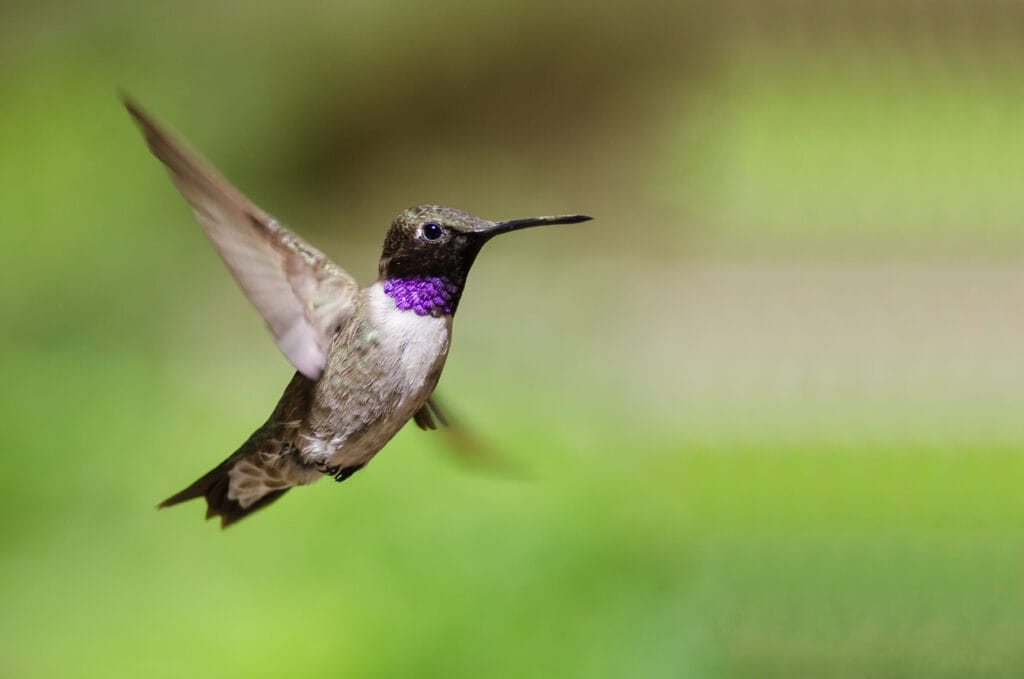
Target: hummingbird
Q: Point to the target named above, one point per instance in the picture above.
(367, 359)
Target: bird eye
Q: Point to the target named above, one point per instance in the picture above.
(432, 231)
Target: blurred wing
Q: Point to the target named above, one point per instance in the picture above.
(303, 296)
(465, 447)
(425, 416)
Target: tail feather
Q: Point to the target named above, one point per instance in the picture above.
(214, 486)
(262, 469)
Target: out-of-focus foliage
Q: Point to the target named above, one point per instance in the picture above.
(769, 400)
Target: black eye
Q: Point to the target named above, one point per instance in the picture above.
(432, 231)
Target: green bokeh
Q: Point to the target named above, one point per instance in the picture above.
(696, 496)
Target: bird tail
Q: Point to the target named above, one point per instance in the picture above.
(214, 486)
(258, 473)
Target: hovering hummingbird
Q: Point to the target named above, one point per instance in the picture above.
(367, 360)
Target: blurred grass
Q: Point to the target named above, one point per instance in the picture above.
(736, 468)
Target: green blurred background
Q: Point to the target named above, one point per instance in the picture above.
(769, 401)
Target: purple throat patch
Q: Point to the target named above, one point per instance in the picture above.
(426, 295)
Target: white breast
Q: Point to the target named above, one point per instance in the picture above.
(419, 344)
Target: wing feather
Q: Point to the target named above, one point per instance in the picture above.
(302, 295)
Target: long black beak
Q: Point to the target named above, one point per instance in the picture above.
(515, 224)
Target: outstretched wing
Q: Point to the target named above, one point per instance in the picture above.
(303, 296)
